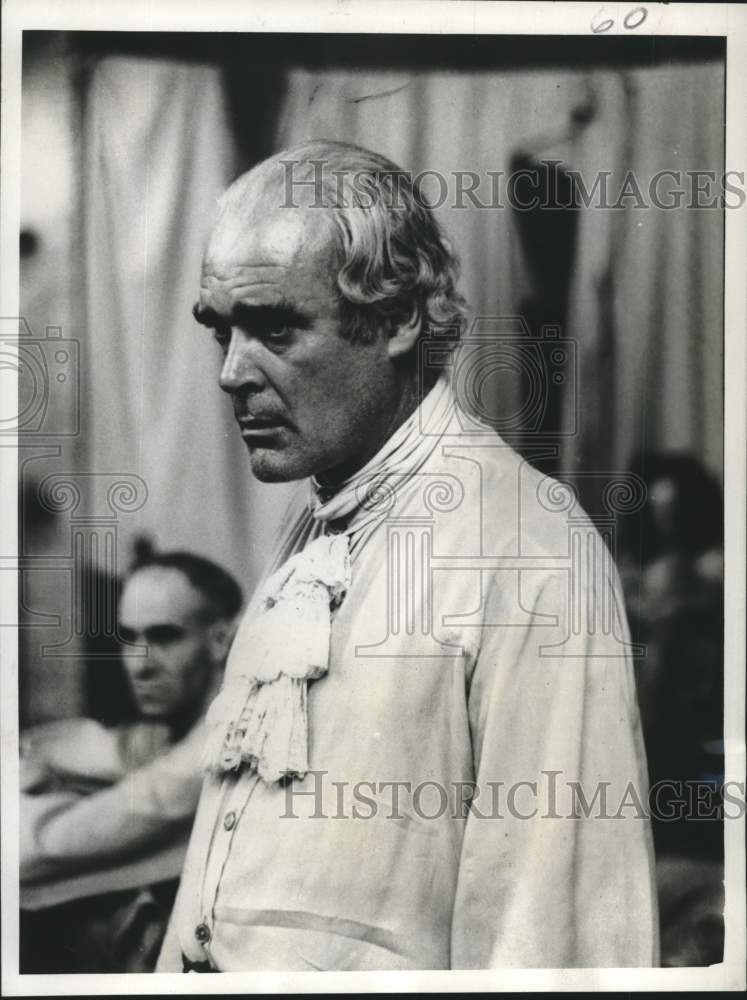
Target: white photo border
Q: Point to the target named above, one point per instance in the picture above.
(392, 16)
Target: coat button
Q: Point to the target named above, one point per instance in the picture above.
(202, 933)
(229, 820)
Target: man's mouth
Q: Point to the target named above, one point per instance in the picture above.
(148, 688)
(261, 426)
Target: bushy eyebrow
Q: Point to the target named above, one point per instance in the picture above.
(205, 316)
(277, 315)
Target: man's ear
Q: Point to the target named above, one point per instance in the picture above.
(220, 636)
(404, 336)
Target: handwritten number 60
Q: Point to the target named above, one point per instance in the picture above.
(632, 20)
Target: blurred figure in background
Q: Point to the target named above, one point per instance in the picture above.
(105, 811)
(671, 564)
(672, 570)
(672, 549)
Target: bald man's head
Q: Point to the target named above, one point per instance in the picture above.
(317, 284)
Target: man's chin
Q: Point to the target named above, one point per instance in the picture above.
(275, 465)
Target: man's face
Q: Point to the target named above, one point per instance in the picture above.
(307, 401)
(160, 609)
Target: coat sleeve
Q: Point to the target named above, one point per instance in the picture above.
(556, 735)
(66, 833)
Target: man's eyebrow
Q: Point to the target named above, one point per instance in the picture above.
(281, 313)
(163, 628)
(206, 316)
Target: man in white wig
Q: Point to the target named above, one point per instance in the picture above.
(426, 753)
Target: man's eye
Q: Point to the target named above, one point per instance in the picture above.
(278, 333)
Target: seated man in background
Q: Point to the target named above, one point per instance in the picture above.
(105, 812)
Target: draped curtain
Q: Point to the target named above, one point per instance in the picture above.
(159, 151)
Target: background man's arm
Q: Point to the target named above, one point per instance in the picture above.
(69, 753)
(64, 833)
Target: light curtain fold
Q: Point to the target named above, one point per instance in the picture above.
(159, 151)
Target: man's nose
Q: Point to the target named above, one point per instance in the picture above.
(241, 367)
(149, 662)
(145, 666)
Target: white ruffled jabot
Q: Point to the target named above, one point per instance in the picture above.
(259, 720)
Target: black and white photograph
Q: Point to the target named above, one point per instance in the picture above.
(372, 443)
